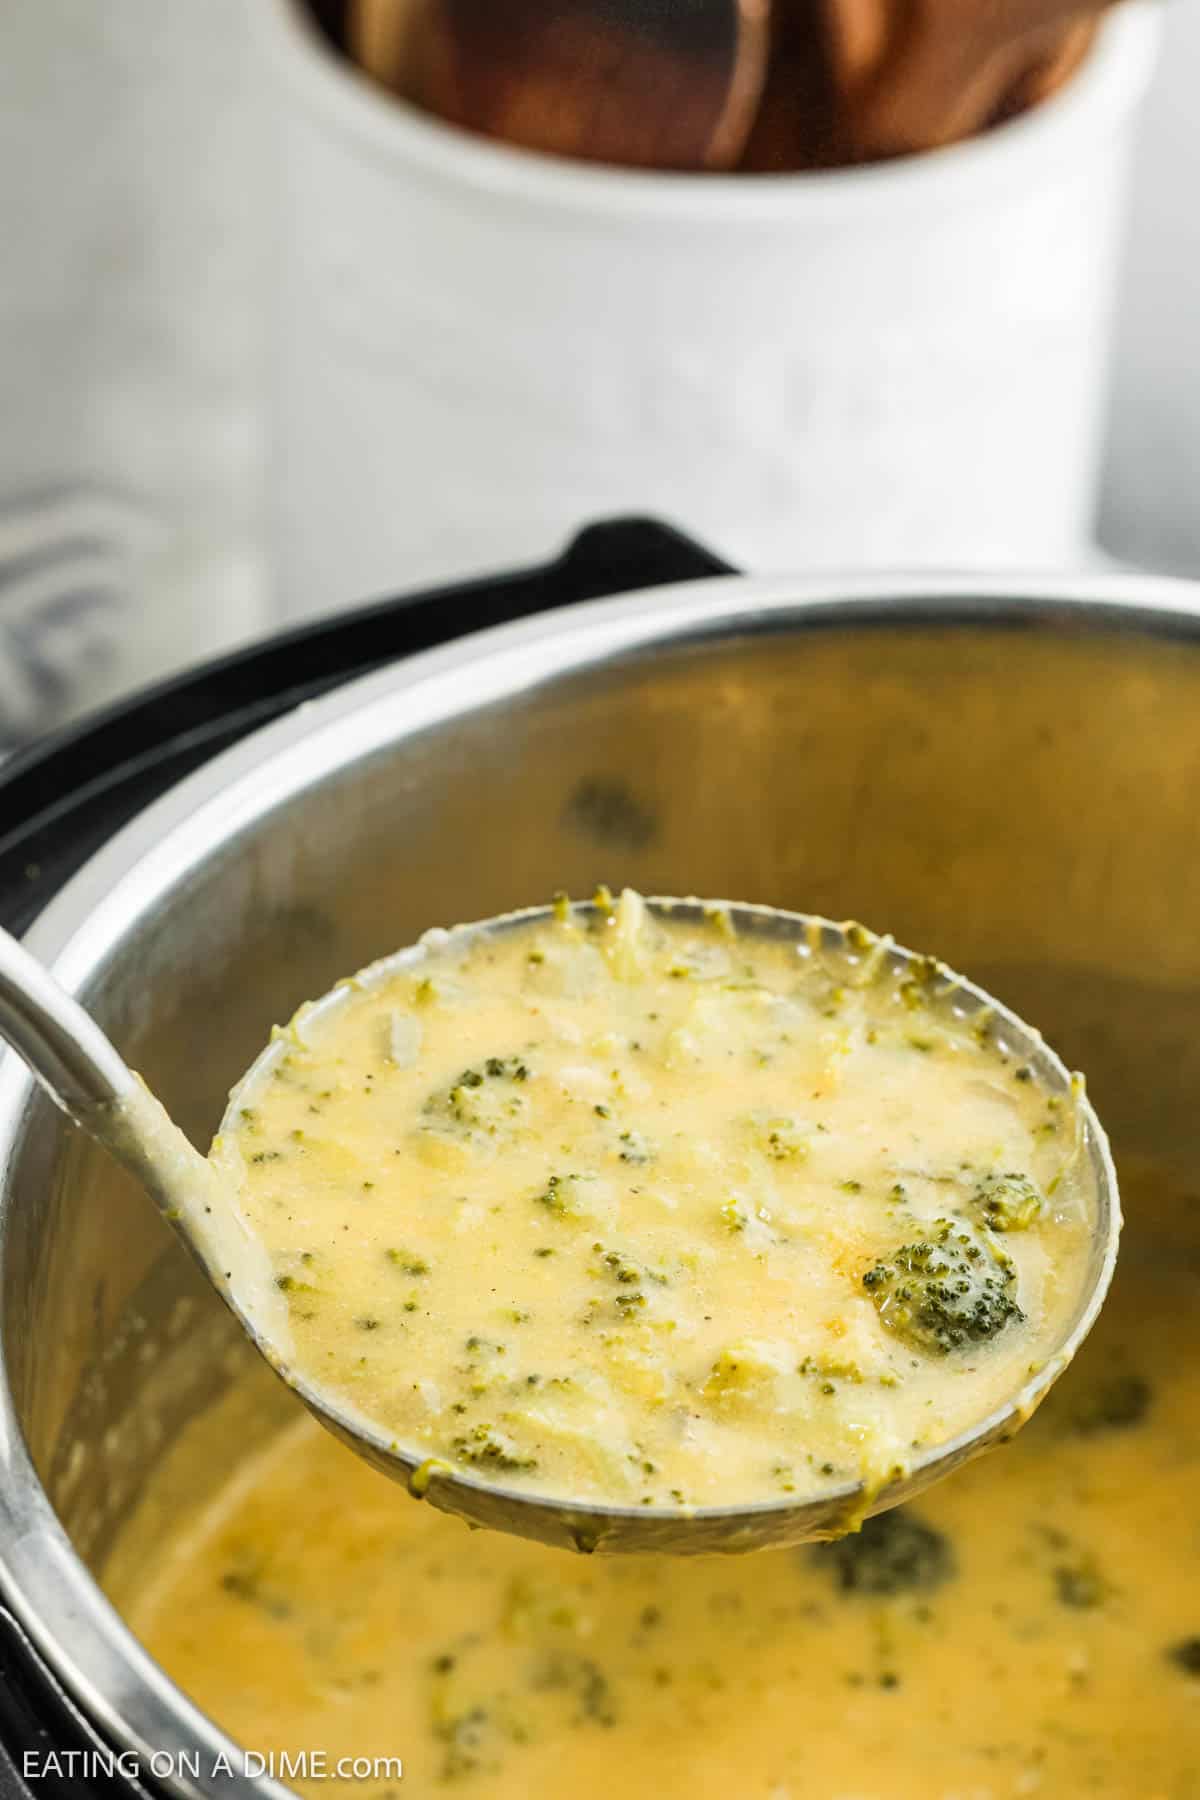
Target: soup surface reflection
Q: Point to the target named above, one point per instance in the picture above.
(1029, 1627)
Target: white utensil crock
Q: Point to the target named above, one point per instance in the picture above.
(476, 348)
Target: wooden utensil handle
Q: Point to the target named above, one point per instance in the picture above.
(618, 81)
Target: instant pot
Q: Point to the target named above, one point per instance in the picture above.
(1004, 770)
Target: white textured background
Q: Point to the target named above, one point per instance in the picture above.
(129, 353)
(129, 217)
(1151, 504)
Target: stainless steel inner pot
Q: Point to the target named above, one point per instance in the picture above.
(1007, 777)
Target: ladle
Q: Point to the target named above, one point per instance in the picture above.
(86, 1076)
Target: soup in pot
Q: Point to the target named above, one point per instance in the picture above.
(1031, 1626)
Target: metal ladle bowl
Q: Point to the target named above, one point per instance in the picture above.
(86, 1076)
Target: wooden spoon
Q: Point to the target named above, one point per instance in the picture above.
(924, 73)
(800, 123)
(1053, 69)
(667, 84)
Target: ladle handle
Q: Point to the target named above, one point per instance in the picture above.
(65, 1049)
(80, 1070)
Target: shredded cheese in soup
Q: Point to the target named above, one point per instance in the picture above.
(628, 1209)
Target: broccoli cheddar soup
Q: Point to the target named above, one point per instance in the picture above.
(623, 1207)
(1030, 1627)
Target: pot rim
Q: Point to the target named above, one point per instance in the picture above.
(73, 1626)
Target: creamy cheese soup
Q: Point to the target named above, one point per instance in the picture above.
(614, 1207)
(1031, 1626)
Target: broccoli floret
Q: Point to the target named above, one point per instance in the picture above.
(466, 1736)
(894, 1553)
(407, 1262)
(1079, 1584)
(580, 1676)
(626, 1269)
(1186, 1655)
(634, 1148)
(778, 1137)
(481, 1099)
(485, 1448)
(1114, 1404)
(954, 1287)
(1006, 1202)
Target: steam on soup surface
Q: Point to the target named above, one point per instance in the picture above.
(1031, 1626)
(652, 1212)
